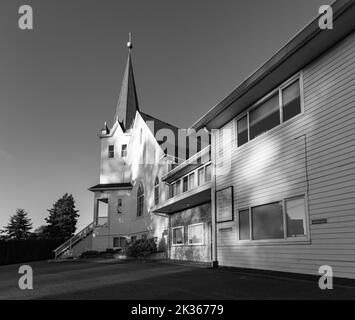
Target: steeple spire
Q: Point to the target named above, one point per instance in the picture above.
(127, 104)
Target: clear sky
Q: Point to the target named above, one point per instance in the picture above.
(60, 81)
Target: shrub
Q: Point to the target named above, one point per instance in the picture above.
(90, 254)
(162, 245)
(141, 248)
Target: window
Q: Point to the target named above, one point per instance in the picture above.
(296, 217)
(242, 130)
(111, 151)
(171, 190)
(200, 174)
(124, 151)
(192, 181)
(177, 188)
(291, 101)
(244, 225)
(178, 235)
(265, 116)
(185, 182)
(278, 220)
(267, 221)
(119, 205)
(208, 173)
(140, 200)
(119, 242)
(285, 101)
(156, 191)
(195, 234)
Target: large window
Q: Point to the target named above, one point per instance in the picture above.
(264, 117)
(111, 151)
(185, 184)
(192, 181)
(178, 235)
(277, 220)
(267, 221)
(208, 173)
(195, 234)
(140, 200)
(156, 191)
(200, 174)
(283, 104)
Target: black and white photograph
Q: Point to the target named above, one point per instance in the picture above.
(177, 155)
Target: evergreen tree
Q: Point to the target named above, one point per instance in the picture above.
(19, 226)
(62, 218)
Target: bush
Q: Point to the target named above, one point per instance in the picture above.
(162, 247)
(141, 248)
(90, 254)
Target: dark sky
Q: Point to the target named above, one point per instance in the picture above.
(60, 81)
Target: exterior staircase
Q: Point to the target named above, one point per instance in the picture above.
(67, 246)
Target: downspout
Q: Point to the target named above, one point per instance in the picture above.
(213, 201)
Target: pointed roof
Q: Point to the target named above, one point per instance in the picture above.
(127, 104)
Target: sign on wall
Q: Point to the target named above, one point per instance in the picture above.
(224, 204)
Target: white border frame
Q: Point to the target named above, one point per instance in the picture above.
(183, 236)
(203, 234)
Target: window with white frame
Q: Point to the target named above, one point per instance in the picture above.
(185, 184)
(191, 180)
(284, 219)
(140, 200)
(208, 172)
(178, 235)
(119, 242)
(200, 176)
(124, 151)
(111, 151)
(195, 234)
(277, 107)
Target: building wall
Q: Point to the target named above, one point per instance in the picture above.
(201, 213)
(312, 154)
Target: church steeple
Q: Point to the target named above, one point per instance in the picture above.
(127, 102)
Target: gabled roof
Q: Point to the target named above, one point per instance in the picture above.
(127, 104)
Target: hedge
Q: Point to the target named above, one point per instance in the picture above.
(17, 251)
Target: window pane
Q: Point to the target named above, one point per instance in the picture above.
(177, 187)
(200, 177)
(242, 130)
(244, 225)
(208, 173)
(268, 221)
(196, 234)
(111, 151)
(191, 181)
(264, 117)
(296, 217)
(291, 101)
(178, 236)
(185, 184)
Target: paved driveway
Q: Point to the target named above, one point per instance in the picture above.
(151, 280)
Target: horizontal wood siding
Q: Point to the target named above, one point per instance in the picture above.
(273, 167)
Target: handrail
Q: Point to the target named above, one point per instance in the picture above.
(74, 239)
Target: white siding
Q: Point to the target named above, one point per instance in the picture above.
(273, 167)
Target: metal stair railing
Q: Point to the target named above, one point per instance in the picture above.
(73, 240)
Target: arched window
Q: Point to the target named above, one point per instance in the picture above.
(140, 200)
(156, 191)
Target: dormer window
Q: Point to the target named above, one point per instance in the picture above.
(111, 151)
(124, 151)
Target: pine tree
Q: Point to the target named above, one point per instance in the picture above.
(19, 226)
(62, 218)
